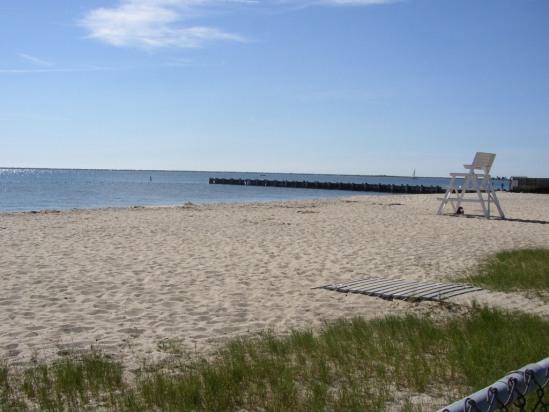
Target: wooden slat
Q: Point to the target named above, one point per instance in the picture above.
(380, 287)
(461, 292)
(401, 288)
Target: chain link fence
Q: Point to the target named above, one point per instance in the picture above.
(523, 390)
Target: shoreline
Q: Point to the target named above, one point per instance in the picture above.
(194, 204)
(124, 279)
(350, 196)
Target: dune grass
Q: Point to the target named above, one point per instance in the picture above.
(348, 365)
(526, 269)
(72, 381)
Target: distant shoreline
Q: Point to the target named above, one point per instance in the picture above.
(218, 171)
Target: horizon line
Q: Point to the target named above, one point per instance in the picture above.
(214, 171)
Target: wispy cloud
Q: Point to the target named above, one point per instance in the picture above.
(154, 24)
(55, 70)
(35, 60)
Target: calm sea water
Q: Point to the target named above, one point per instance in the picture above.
(41, 189)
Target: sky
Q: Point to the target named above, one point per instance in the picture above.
(305, 86)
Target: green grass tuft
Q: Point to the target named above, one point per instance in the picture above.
(72, 382)
(526, 269)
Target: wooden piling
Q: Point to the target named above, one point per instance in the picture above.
(354, 187)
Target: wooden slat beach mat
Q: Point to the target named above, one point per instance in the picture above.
(402, 289)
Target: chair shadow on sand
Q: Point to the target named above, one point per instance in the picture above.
(540, 222)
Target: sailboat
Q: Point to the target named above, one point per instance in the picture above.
(414, 174)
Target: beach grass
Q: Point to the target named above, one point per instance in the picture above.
(526, 269)
(351, 364)
(72, 381)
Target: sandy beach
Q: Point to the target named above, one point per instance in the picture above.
(125, 279)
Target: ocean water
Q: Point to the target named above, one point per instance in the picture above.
(58, 189)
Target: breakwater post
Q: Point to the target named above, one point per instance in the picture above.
(354, 187)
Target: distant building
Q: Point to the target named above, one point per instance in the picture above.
(529, 184)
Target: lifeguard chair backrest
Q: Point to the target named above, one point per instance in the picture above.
(484, 161)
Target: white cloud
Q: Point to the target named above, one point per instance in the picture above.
(153, 24)
(35, 60)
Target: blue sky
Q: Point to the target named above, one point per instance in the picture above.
(328, 86)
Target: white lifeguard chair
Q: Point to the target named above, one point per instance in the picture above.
(477, 179)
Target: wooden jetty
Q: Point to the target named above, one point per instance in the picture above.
(354, 187)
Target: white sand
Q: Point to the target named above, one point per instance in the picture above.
(124, 279)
